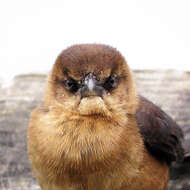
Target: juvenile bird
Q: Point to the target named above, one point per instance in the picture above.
(94, 132)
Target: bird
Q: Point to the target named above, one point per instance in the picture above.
(94, 131)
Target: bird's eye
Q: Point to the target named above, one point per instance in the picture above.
(110, 83)
(72, 85)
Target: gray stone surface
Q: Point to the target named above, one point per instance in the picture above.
(168, 89)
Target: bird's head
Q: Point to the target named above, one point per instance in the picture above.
(91, 80)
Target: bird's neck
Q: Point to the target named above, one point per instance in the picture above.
(91, 144)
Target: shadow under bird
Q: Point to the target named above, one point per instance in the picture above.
(95, 132)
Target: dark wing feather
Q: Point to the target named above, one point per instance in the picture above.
(162, 136)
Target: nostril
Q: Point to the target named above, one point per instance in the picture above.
(99, 90)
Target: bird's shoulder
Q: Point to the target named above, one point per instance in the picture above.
(161, 134)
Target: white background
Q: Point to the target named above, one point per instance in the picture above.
(151, 34)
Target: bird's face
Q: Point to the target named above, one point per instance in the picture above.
(91, 80)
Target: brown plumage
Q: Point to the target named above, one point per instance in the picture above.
(94, 132)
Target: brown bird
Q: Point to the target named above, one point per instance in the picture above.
(94, 132)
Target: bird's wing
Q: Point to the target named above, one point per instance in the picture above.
(162, 136)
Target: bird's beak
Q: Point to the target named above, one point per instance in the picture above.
(91, 86)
